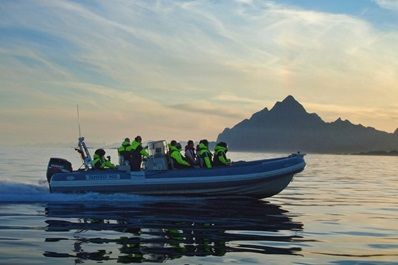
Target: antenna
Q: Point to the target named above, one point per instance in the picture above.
(83, 150)
(78, 120)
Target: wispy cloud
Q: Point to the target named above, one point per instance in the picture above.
(207, 109)
(235, 99)
(388, 4)
(173, 64)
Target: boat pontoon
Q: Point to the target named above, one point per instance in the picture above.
(260, 179)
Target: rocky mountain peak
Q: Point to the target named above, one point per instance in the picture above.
(340, 121)
(289, 105)
(288, 126)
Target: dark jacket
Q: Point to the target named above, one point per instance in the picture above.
(190, 155)
(135, 153)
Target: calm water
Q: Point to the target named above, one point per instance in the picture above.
(340, 210)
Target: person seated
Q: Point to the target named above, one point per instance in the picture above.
(220, 159)
(136, 152)
(100, 162)
(179, 162)
(172, 143)
(204, 154)
(190, 153)
(168, 154)
(198, 158)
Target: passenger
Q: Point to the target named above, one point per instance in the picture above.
(122, 151)
(200, 160)
(205, 154)
(220, 158)
(172, 143)
(100, 162)
(190, 153)
(170, 162)
(135, 153)
(179, 162)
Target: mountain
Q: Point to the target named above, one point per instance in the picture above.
(289, 127)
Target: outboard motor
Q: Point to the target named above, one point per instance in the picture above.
(57, 165)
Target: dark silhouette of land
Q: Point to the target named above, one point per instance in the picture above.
(378, 153)
(289, 127)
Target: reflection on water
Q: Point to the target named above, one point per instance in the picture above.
(160, 231)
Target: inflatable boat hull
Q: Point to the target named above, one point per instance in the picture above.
(260, 179)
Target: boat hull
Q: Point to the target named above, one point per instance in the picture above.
(260, 179)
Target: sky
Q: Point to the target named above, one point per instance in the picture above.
(188, 69)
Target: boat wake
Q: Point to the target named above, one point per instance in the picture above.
(16, 192)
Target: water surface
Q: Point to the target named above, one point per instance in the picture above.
(340, 210)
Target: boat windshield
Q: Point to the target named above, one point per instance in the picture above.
(157, 148)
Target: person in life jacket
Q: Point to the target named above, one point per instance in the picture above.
(170, 162)
(100, 162)
(204, 154)
(123, 154)
(172, 143)
(220, 159)
(179, 162)
(190, 153)
(135, 154)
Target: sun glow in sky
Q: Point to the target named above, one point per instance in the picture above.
(188, 69)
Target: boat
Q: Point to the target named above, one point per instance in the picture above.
(258, 179)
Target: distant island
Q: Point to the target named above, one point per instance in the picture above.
(288, 127)
(378, 153)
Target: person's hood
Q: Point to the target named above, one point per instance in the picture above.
(202, 146)
(173, 148)
(135, 144)
(220, 149)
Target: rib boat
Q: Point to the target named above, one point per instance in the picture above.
(259, 179)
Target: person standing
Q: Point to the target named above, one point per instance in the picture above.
(122, 151)
(135, 153)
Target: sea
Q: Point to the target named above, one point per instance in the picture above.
(341, 209)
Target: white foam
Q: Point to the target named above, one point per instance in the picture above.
(23, 192)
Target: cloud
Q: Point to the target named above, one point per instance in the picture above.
(235, 99)
(388, 4)
(206, 109)
(171, 63)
